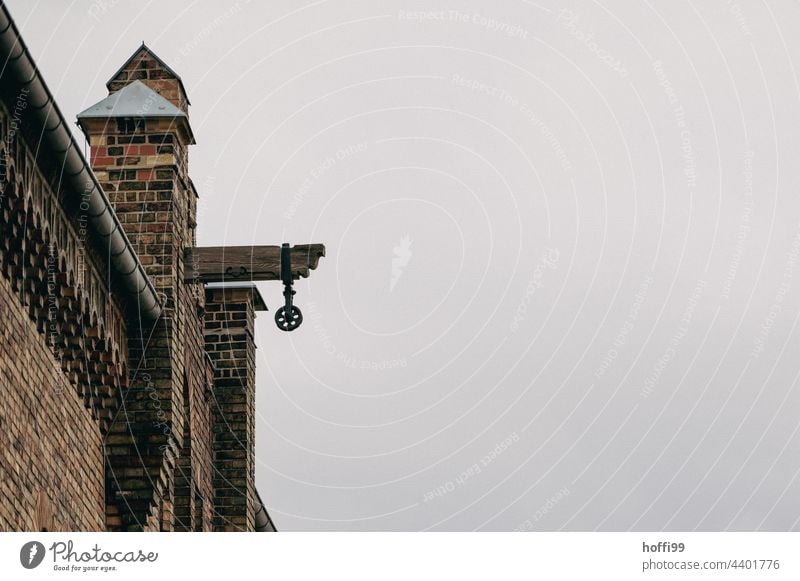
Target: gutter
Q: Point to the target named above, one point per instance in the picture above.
(18, 65)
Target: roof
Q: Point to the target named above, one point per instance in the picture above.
(159, 60)
(258, 301)
(133, 100)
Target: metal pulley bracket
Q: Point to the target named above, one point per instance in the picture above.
(288, 317)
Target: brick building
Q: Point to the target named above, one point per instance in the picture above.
(127, 377)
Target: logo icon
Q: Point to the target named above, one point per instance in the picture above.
(31, 554)
(402, 256)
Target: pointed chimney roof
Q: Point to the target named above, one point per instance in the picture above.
(134, 100)
(137, 55)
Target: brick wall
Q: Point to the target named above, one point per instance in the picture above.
(51, 450)
(63, 344)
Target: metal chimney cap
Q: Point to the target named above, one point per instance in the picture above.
(133, 100)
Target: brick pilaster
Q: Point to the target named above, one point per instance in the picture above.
(229, 327)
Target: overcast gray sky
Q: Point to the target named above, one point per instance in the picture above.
(561, 288)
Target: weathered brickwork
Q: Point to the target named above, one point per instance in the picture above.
(194, 480)
(230, 323)
(109, 421)
(144, 190)
(55, 268)
(41, 420)
(63, 349)
(145, 66)
(142, 166)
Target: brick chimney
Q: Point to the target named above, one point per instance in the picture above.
(139, 138)
(229, 330)
(180, 454)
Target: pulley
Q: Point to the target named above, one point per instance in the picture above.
(288, 317)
